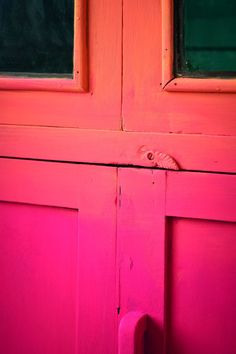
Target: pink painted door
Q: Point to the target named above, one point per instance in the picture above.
(176, 252)
(163, 266)
(82, 247)
(57, 258)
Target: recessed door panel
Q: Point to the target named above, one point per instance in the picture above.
(39, 295)
(201, 287)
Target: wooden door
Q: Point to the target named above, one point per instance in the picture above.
(123, 52)
(57, 258)
(82, 246)
(192, 114)
(176, 252)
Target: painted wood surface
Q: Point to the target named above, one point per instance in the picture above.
(219, 189)
(147, 107)
(201, 287)
(125, 102)
(176, 257)
(100, 107)
(131, 333)
(154, 241)
(141, 250)
(38, 260)
(57, 257)
(79, 83)
(189, 151)
(169, 82)
(166, 252)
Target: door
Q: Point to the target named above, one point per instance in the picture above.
(67, 278)
(123, 91)
(57, 258)
(176, 261)
(191, 107)
(136, 245)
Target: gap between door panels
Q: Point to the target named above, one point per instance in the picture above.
(116, 165)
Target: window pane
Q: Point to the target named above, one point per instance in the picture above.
(36, 37)
(205, 37)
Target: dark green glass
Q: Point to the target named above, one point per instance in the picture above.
(205, 38)
(36, 37)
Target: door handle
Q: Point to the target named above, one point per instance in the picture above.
(131, 333)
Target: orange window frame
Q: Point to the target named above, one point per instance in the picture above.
(79, 82)
(169, 81)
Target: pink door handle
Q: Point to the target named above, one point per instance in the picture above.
(131, 333)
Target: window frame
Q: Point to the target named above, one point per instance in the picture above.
(79, 82)
(172, 83)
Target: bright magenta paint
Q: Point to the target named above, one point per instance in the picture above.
(176, 251)
(57, 258)
(109, 260)
(38, 257)
(131, 333)
(67, 285)
(201, 287)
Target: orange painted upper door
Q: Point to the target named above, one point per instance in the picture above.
(157, 98)
(123, 95)
(57, 258)
(34, 91)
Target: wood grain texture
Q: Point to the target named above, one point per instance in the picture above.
(191, 152)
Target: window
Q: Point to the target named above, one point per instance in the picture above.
(199, 45)
(205, 38)
(42, 44)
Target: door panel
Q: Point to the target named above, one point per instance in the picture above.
(190, 110)
(147, 107)
(57, 258)
(201, 287)
(38, 261)
(176, 251)
(99, 107)
(126, 110)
